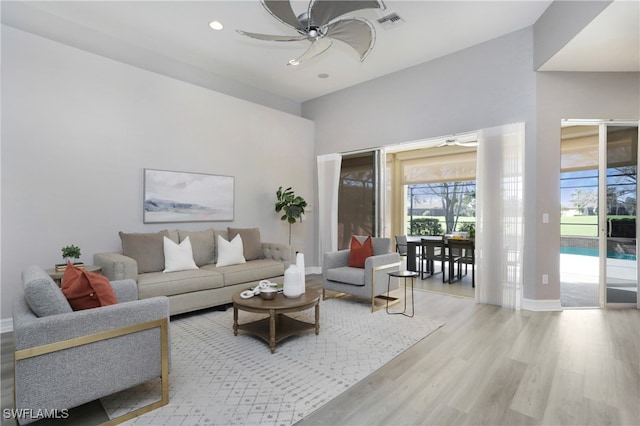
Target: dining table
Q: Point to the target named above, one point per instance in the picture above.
(413, 244)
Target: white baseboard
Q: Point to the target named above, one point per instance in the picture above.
(6, 325)
(313, 270)
(541, 305)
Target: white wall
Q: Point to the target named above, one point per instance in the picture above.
(78, 130)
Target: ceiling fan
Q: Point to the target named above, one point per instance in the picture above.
(320, 25)
(458, 142)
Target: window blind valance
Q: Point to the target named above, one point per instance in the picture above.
(442, 168)
(581, 152)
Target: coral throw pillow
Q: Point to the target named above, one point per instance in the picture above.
(86, 290)
(358, 252)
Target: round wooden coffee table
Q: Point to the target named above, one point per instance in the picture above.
(277, 326)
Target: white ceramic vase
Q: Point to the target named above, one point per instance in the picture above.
(291, 286)
(300, 265)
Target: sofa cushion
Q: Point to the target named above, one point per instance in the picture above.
(359, 251)
(178, 257)
(254, 270)
(346, 274)
(202, 244)
(251, 243)
(147, 249)
(86, 290)
(43, 296)
(218, 233)
(168, 284)
(230, 252)
(174, 236)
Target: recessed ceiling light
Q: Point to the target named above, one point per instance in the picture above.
(294, 62)
(216, 25)
(323, 75)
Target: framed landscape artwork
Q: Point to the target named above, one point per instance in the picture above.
(187, 197)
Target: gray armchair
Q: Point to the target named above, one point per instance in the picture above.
(369, 282)
(66, 358)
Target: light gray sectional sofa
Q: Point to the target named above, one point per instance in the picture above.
(142, 259)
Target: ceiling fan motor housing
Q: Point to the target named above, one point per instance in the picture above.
(320, 22)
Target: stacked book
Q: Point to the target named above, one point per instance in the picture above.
(60, 267)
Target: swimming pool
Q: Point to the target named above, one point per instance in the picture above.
(582, 251)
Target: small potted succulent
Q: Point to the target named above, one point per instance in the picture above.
(70, 253)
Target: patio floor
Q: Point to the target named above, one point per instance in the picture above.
(578, 282)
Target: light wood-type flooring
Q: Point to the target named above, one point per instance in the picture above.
(488, 366)
(493, 366)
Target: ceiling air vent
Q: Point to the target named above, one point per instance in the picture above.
(390, 20)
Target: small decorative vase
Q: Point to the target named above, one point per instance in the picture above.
(291, 286)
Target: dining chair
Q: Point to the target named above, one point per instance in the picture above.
(462, 252)
(432, 249)
(401, 245)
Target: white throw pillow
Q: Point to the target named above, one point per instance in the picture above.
(230, 253)
(178, 257)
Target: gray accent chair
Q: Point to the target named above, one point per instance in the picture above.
(66, 358)
(369, 283)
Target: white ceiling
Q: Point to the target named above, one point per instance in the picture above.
(179, 30)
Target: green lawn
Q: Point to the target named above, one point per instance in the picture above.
(461, 219)
(576, 226)
(579, 226)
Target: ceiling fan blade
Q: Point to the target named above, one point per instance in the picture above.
(457, 142)
(282, 11)
(317, 47)
(357, 33)
(321, 12)
(269, 37)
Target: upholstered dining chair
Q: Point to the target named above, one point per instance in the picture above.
(66, 358)
(369, 282)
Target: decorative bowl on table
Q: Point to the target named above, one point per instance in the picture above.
(268, 293)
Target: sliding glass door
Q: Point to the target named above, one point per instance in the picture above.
(357, 199)
(619, 241)
(599, 192)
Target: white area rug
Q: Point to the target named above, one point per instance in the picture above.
(221, 379)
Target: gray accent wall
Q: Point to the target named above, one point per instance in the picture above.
(569, 95)
(487, 85)
(78, 129)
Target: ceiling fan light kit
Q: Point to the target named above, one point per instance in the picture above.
(320, 25)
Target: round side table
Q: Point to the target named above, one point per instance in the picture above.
(406, 275)
(57, 275)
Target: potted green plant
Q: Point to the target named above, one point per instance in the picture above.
(291, 205)
(70, 252)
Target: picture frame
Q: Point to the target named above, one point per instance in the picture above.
(171, 196)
